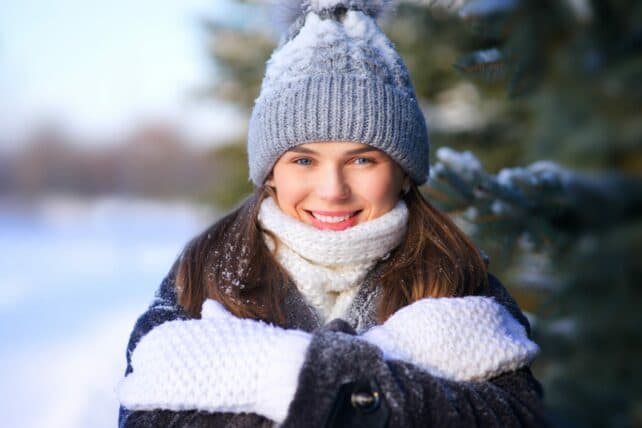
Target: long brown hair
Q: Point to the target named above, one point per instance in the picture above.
(229, 262)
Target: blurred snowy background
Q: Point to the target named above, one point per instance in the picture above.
(96, 99)
(74, 275)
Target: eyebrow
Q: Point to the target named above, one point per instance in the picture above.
(299, 149)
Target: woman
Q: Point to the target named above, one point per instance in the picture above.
(335, 295)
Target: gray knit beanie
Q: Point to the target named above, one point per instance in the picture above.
(335, 76)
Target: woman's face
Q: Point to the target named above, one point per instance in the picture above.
(336, 185)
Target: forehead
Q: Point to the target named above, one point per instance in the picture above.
(333, 148)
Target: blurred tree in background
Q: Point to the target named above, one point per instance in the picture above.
(535, 119)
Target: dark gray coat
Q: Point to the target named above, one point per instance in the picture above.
(347, 383)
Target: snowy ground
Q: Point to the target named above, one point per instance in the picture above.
(73, 278)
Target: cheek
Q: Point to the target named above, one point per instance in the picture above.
(289, 192)
(382, 191)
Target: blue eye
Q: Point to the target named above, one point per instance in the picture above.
(303, 161)
(361, 161)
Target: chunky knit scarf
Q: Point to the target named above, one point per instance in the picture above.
(328, 266)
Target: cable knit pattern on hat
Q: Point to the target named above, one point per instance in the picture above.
(329, 266)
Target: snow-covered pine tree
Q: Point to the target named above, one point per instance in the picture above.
(571, 70)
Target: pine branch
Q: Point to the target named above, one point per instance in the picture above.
(539, 199)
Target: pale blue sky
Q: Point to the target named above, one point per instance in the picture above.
(102, 66)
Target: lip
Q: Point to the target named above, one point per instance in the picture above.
(342, 225)
(334, 213)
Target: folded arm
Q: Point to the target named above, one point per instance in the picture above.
(164, 308)
(352, 382)
(330, 348)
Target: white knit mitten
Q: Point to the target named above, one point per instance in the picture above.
(459, 338)
(219, 363)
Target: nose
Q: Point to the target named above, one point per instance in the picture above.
(332, 185)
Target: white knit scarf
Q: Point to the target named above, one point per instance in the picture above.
(328, 266)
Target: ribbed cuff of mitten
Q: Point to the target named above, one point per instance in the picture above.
(280, 379)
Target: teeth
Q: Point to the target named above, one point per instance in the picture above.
(328, 219)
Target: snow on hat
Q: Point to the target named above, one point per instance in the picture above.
(335, 76)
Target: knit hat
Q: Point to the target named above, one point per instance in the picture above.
(335, 76)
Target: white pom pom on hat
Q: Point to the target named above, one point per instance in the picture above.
(288, 11)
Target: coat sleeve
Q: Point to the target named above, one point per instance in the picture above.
(346, 382)
(164, 308)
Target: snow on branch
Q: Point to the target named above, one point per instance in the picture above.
(541, 198)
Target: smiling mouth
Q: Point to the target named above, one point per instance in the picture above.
(325, 220)
(331, 219)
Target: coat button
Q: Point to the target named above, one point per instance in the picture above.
(365, 400)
